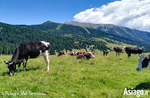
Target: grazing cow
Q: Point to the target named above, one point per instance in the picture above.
(62, 53)
(105, 53)
(118, 50)
(72, 53)
(143, 62)
(81, 52)
(27, 50)
(85, 56)
(132, 50)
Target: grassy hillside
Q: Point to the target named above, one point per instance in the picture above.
(100, 77)
(116, 30)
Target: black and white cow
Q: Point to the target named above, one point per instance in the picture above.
(144, 62)
(132, 50)
(72, 53)
(27, 50)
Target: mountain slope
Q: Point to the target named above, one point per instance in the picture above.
(116, 30)
(94, 36)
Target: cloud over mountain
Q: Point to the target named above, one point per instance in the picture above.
(129, 13)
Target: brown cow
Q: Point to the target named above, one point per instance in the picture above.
(85, 56)
(81, 52)
(62, 53)
(118, 50)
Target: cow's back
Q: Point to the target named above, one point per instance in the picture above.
(133, 50)
(118, 49)
(32, 49)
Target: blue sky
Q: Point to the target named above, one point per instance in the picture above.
(38, 11)
(134, 14)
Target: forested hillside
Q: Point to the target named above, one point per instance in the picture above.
(11, 35)
(60, 36)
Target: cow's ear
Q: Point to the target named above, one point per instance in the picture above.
(6, 62)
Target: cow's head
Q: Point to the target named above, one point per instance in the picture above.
(91, 55)
(143, 62)
(124, 48)
(11, 67)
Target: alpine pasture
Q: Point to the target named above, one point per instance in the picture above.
(100, 77)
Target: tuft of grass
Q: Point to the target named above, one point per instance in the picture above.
(99, 77)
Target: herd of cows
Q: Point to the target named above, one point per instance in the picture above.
(27, 50)
(80, 54)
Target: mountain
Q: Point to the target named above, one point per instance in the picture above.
(96, 37)
(132, 34)
(61, 36)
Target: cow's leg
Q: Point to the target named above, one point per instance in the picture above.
(118, 53)
(46, 57)
(129, 55)
(24, 64)
(19, 67)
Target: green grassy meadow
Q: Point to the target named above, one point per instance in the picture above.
(99, 77)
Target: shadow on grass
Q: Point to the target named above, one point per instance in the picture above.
(33, 68)
(5, 74)
(143, 86)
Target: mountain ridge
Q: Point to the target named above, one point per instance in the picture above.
(133, 34)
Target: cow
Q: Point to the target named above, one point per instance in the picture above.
(118, 50)
(27, 50)
(85, 56)
(72, 53)
(132, 50)
(62, 53)
(144, 62)
(81, 52)
(105, 53)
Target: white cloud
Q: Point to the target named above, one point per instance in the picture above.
(129, 13)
